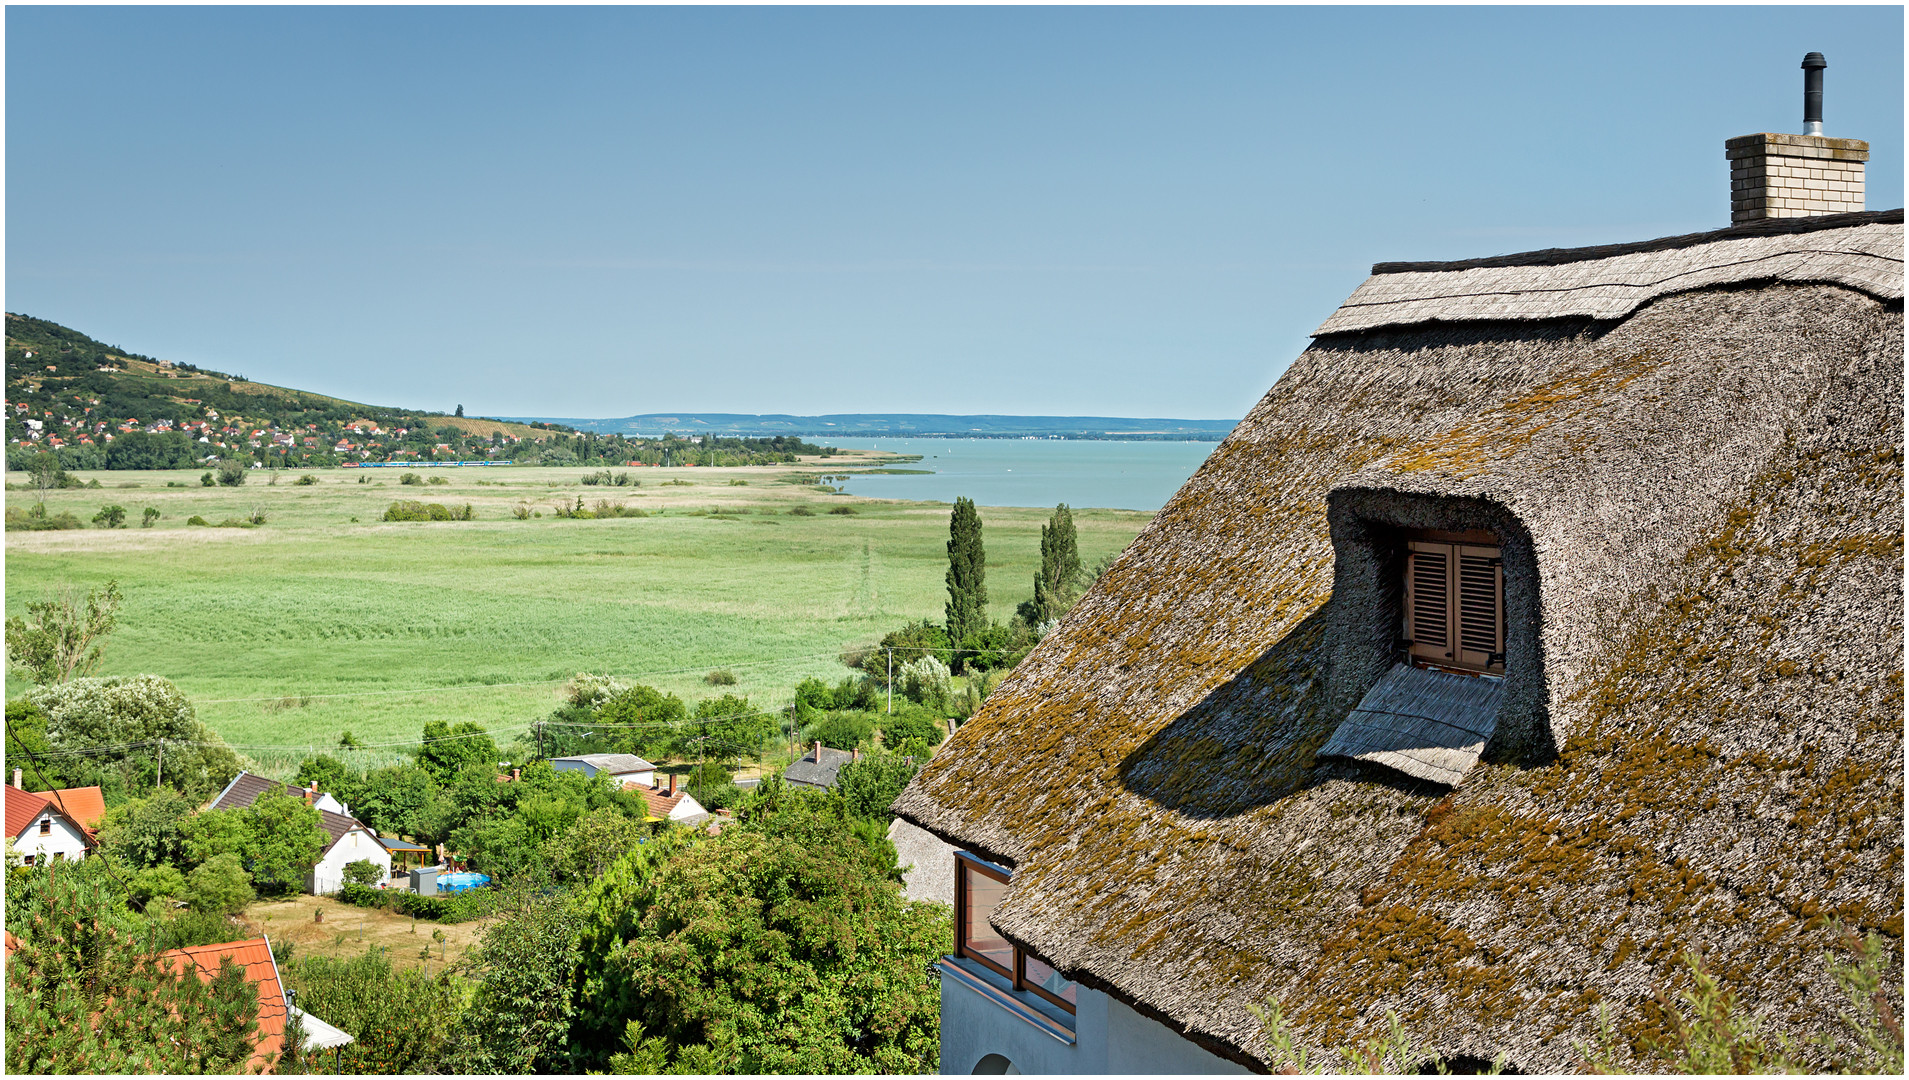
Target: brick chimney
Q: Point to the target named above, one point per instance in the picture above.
(818, 751)
(1789, 176)
(672, 785)
(16, 778)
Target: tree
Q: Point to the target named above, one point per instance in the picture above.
(778, 946)
(1055, 586)
(147, 832)
(111, 517)
(519, 1018)
(967, 609)
(64, 636)
(400, 1021)
(447, 750)
(283, 841)
(143, 716)
(869, 787)
(924, 680)
(598, 839)
(219, 885)
(231, 472)
(150, 515)
(328, 771)
(157, 883)
(460, 411)
(84, 996)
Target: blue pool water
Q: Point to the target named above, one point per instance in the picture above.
(455, 883)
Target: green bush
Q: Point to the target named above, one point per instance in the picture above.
(801, 511)
(906, 731)
(440, 481)
(111, 517)
(411, 478)
(845, 510)
(721, 677)
(456, 908)
(841, 730)
(151, 515)
(307, 480)
(220, 885)
(363, 872)
(407, 510)
(197, 520)
(231, 472)
(35, 518)
(207, 480)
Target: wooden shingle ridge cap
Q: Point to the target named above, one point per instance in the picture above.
(1561, 256)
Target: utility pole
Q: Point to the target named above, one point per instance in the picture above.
(161, 776)
(540, 740)
(890, 649)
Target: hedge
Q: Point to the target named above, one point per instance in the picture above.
(456, 908)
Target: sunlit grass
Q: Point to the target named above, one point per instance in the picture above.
(312, 624)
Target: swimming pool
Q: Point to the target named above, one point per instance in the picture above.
(459, 882)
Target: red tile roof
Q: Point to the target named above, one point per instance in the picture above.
(22, 808)
(262, 971)
(83, 804)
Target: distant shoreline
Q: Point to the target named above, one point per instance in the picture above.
(903, 425)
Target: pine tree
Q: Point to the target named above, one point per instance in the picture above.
(967, 573)
(1060, 566)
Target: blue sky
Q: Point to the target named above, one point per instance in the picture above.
(606, 211)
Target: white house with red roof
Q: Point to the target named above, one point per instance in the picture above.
(39, 830)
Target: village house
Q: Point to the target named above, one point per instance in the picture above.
(347, 840)
(817, 769)
(625, 769)
(669, 803)
(38, 830)
(1541, 623)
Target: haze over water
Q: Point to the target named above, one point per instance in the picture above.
(1033, 472)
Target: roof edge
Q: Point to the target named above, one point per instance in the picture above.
(1561, 256)
(957, 842)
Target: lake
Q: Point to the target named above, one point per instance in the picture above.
(1034, 472)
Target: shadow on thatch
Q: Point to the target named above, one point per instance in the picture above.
(1250, 741)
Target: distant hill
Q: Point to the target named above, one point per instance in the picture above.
(103, 406)
(918, 425)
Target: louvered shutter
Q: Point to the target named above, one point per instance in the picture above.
(1428, 605)
(1480, 608)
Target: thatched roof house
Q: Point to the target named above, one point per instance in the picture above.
(1688, 454)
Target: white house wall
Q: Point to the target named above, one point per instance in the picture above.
(1109, 1038)
(329, 875)
(66, 840)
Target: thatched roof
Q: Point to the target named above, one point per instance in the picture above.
(1699, 743)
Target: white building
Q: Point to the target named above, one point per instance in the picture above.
(38, 830)
(348, 840)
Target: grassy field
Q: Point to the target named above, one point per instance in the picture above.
(324, 619)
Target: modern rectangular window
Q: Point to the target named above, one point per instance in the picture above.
(1455, 602)
(978, 891)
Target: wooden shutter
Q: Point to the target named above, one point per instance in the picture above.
(1428, 601)
(1480, 609)
(1455, 605)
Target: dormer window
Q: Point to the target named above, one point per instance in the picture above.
(1454, 601)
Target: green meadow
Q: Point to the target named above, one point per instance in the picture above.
(325, 619)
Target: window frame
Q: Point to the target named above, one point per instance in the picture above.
(1453, 547)
(46, 826)
(1018, 977)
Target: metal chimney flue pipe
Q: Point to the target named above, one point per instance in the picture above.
(1813, 66)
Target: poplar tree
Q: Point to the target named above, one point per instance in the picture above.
(967, 572)
(1060, 566)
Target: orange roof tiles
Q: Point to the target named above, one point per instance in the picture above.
(84, 805)
(22, 808)
(262, 971)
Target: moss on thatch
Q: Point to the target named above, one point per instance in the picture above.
(1712, 489)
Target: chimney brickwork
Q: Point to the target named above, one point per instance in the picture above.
(1788, 176)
